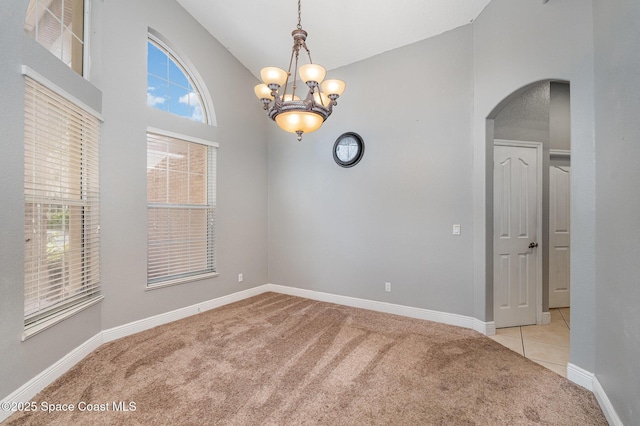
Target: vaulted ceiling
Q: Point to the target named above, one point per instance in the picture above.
(341, 32)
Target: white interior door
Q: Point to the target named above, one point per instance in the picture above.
(516, 261)
(559, 232)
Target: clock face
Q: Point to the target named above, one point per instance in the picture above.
(348, 149)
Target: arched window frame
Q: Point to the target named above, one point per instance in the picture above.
(192, 75)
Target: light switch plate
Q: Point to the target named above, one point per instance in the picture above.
(456, 229)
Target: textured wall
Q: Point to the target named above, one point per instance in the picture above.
(117, 87)
(389, 218)
(241, 228)
(22, 361)
(516, 44)
(539, 113)
(526, 117)
(347, 231)
(617, 95)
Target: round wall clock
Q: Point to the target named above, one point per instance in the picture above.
(348, 149)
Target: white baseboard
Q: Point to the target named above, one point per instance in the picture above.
(45, 378)
(546, 318)
(487, 328)
(167, 317)
(605, 404)
(35, 385)
(580, 376)
(588, 380)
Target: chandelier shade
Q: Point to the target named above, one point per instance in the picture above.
(333, 87)
(278, 90)
(312, 73)
(295, 121)
(273, 76)
(263, 91)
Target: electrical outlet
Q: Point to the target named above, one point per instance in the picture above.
(240, 278)
(387, 286)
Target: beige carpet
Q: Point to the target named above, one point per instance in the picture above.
(281, 360)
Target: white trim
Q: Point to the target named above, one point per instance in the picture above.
(86, 31)
(589, 381)
(184, 137)
(30, 389)
(177, 314)
(545, 318)
(27, 391)
(539, 148)
(489, 327)
(40, 326)
(29, 72)
(177, 281)
(42, 380)
(389, 308)
(580, 376)
(605, 404)
(522, 144)
(192, 73)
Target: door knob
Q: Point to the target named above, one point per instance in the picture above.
(533, 245)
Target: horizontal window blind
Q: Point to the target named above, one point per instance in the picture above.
(62, 259)
(181, 209)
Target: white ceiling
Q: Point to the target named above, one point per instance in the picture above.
(341, 32)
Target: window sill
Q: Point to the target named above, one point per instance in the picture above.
(177, 281)
(44, 324)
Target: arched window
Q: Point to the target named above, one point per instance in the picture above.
(171, 86)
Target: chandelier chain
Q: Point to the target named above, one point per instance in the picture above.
(299, 17)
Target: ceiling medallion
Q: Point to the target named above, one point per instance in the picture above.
(289, 112)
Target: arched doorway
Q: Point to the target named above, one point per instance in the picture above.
(538, 113)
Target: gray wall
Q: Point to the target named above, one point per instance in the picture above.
(539, 113)
(516, 44)
(117, 87)
(289, 215)
(241, 228)
(22, 361)
(526, 116)
(389, 218)
(349, 231)
(617, 96)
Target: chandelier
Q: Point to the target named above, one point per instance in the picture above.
(291, 113)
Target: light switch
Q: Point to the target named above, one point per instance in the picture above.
(456, 229)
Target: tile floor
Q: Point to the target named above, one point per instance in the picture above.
(548, 345)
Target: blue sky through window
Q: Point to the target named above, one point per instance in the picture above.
(169, 87)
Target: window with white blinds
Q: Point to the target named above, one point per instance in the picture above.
(181, 209)
(62, 240)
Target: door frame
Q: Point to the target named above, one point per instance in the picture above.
(538, 146)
